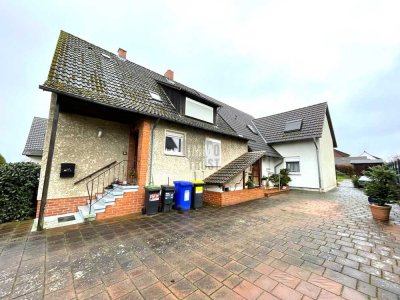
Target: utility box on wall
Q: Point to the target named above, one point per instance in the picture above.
(67, 170)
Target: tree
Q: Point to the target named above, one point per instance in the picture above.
(2, 160)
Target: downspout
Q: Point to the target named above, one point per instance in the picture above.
(279, 183)
(152, 151)
(49, 162)
(318, 163)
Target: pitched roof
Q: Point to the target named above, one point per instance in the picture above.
(339, 153)
(273, 127)
(232, 169)
(83, 70)
(241, 122)
(34, 143)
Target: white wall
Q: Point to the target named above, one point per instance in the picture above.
(327, 159)
(305, 153)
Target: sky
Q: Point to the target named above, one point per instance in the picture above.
(263, 57)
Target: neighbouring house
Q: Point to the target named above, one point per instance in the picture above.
(113, 121)
(34, 143)
(339, 153)
(359, 163)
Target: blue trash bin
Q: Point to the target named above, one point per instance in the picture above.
(183, 194)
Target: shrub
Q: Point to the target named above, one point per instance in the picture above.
(18, 188)
(274, 178)
(2, 160)
(285, 179)
(346, 169)
(354, 179)
(383, 186)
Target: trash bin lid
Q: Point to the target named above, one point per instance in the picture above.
(152, 188)
(197, 182)
(183, 183)
(168, 187)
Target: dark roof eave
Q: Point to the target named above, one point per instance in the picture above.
(49, 89)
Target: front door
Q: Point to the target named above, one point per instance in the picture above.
(255, 173)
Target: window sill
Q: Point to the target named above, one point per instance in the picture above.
(174, 154)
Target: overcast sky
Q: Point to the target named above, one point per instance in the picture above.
(263, 57)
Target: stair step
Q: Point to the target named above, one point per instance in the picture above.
(84, 211)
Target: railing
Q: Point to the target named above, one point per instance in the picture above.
(95, 172)
(395, 165)
(118, 173)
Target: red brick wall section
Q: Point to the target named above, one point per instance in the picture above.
(233, 197)
(131, 203)
(61, 206)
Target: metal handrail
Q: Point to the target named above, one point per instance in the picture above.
(120, 175)
(95, 172)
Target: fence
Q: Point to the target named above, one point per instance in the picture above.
(395, 165)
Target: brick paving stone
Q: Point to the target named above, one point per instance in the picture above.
(369, 255)
(250, 275)
(267, 296)
(333, 266)
(286, 293)
(195, 275)
(325, 295)
(351, 294)
(391, 277)
(386, 285)
(134, 295)
(171, 278)
(285, 278)
(266, 283)
(248, 290)
(235, 267)
(225, 293)
(347, 262)
(308, 289)
(366, 288)
(182, 288)
(92, 292)
(292, 260)
(208, 284)
(112, 278)
(120, 289)
(325, 284)
(279, 264)
(249, 261)
(313, 268)
(356, 274)
(155, 291)
(341, 278)
(359, 259)
(383, 294)
(381, 265)
(144, 279)
(264, 269)
(370, 270)
(232, 281)
(66, 293)
(197, 295)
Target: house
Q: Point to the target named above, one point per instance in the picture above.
(34, 143)
(113, 121)
(339, 153)
(360, 163)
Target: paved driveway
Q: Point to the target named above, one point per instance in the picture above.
(300, 245)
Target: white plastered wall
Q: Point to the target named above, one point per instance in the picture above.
(327, 159)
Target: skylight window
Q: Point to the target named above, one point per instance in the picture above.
(293, 125)
(252, 129)
(155, 96)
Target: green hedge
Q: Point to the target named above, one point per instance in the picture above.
(18, 189)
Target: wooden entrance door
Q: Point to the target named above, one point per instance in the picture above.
(256, 173)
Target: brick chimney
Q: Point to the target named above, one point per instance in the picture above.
(122, 53)
(169, 74)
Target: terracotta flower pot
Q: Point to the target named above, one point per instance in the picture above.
(379, 212)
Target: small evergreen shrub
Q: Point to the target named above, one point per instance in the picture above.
(383, 185)
(18, 189)
(354, 180)
(285, 179)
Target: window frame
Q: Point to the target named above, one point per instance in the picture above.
(188, 99)
(293, 161)
(179, 134)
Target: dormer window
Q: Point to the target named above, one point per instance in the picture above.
(155, 96)
(293, 125)
(198, 110)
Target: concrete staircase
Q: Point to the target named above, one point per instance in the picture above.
(109, 197)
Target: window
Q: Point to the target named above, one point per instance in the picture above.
(293, 166)
(213, 153)
(155, 96)
(199, 110)
(174, 143)
(293, 125)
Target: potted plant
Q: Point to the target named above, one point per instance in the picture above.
(285, 179)
(250, 183)
(264, 180)
(274, 178)
(382, 188)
